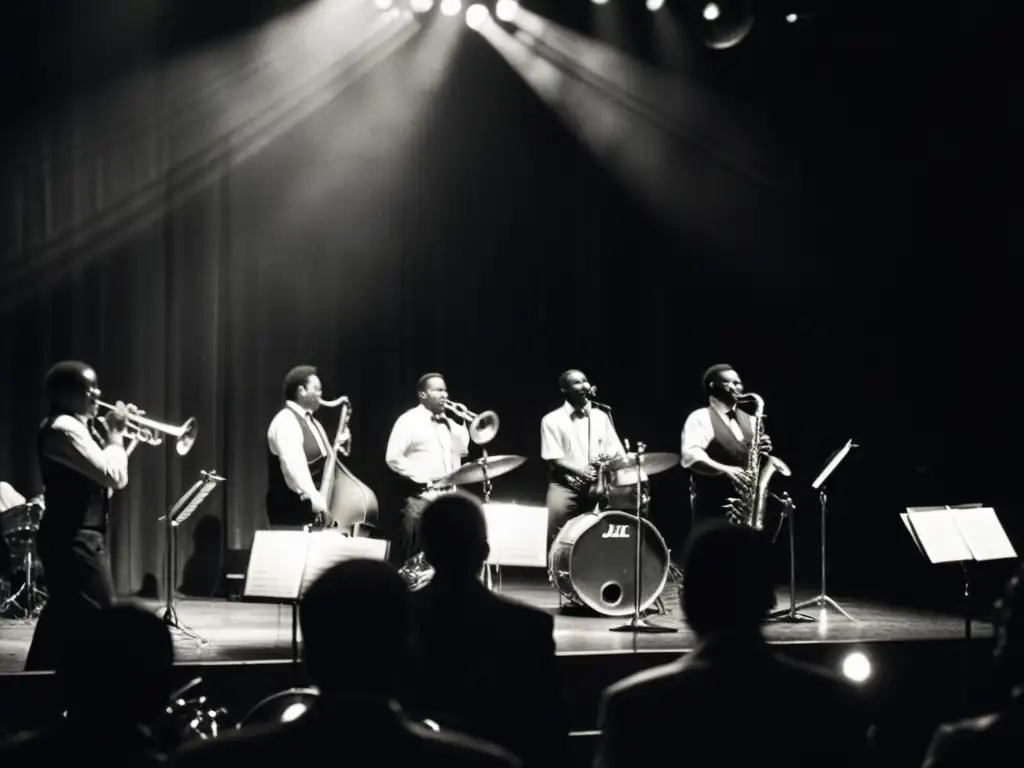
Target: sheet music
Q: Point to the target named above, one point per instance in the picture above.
(517, 535)
(327, 548)
(913, 534)
(276, 563)
(940, 537)
(983, 534)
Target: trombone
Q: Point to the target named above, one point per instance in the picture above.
(483, 427)
(150, 431)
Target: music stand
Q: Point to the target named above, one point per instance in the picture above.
(823, 599)
(282, 565)
(517, 536)
(180, 512)
(959, 534)
(637, 624)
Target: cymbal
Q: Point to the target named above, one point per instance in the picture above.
(473, 472)
(652, 463)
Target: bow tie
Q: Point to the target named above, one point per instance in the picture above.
(440, 419)
(580, 414)
(731, 415)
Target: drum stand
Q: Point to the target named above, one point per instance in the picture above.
(492, 572)
(637, 624)
(34, 598)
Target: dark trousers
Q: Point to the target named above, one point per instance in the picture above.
(78, 585)
(563, 504)
(285, 510)
(708, 497)
(412, 512)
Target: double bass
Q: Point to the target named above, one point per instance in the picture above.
(350, 502)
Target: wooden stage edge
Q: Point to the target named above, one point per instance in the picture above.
(240, 631)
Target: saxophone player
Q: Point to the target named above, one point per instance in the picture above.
(297, 448)
(715, 444)
(572, 438)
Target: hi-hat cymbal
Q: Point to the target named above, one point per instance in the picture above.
(473, 472)
(652, 463)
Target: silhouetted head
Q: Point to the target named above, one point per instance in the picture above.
(118, 670)
(1009, 650)
(454, 535)
(302, 386)
(727, 578)
(357, 628)
(72, 387)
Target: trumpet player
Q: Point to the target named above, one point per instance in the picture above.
(715, 442)
(427, 443)
(297, 448)
(83, 460)
(572, 438)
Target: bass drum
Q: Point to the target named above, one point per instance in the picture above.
(592, 562)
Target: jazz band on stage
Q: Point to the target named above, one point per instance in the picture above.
(592, 473)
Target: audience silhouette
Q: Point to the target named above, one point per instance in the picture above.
(356, 622)
(116, 682)
(486, 663)
(994, 738)
(732, 701)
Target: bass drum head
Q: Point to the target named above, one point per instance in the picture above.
(593, 562)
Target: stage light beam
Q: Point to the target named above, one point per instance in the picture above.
(655, 5)
(421, 6)
(384, 4)
(451, 7)
(856, 667)
(477, 15)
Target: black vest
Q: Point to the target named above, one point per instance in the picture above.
(284, 507)
(73, 501)
(725, 449)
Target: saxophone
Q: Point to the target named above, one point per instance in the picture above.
(749, 508)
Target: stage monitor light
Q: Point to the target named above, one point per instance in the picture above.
(451, 7)
(477, 15)
(506, 10)
(421, 6)
(856, 667)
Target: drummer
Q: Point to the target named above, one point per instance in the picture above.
(573, 438)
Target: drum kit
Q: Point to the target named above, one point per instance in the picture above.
(612, 561)
(19, 526)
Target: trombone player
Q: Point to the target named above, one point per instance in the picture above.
(297, 448)
(427, 443)
(82, 461)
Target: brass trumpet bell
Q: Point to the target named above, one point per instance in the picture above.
(150, 431)
(484, 427)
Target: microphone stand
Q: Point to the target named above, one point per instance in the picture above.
(637, 624)
(790, 615)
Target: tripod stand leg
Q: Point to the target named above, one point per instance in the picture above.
(836, 606)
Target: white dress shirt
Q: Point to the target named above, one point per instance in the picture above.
(422, 449)
(68, 441)
(285, 439)
(565, 437)
(698, 432)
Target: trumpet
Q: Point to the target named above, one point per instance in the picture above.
(150, 431)
(483, 427)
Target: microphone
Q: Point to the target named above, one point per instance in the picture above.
(591, 391)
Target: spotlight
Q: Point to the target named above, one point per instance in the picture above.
(655, 5)
(477, 15)
(856, 667)
(451, 7)
(599, 2)
(792, 18)
(712, 12)
(383, 4)
(506, 10)
(720, 24)
(421, 6)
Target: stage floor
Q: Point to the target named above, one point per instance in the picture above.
(238, 631)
